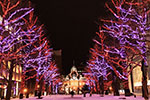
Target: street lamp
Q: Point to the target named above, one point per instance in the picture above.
(25, 90)
(38, 86)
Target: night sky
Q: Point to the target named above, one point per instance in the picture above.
(70, 26)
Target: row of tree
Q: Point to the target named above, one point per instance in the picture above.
(121, 38)
(22, 42)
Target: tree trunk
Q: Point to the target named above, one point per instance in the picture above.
(96, 87)
(9, 87)
(115, 84)
(36, 87)
(41, 83)
(51, 87)
(8, 94)
(144, 69)
(126, 84)
(126, 88)
(101, 86)
(132, 85)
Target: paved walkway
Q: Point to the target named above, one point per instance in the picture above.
(80, 97)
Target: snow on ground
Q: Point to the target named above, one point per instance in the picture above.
(80, 97)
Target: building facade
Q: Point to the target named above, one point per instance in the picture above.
(16, 80)
(73, 82)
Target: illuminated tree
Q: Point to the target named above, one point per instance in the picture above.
(104, 59)
(22, 41)
(129, 28)
(13, 37)
(52, 77)
(97, 69)
(41, 60)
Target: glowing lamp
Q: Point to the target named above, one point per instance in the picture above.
(38, 86)
(110, 88)
(25, 90)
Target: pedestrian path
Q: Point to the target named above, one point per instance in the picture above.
(80, 97)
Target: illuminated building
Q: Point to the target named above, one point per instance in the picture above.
(73, 82)
(137, 78)
(16, 80)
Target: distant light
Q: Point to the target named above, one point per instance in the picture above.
(110, 88)
(38, 86)
(25, 90)
(80, 83)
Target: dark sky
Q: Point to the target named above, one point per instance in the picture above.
(70, 26)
